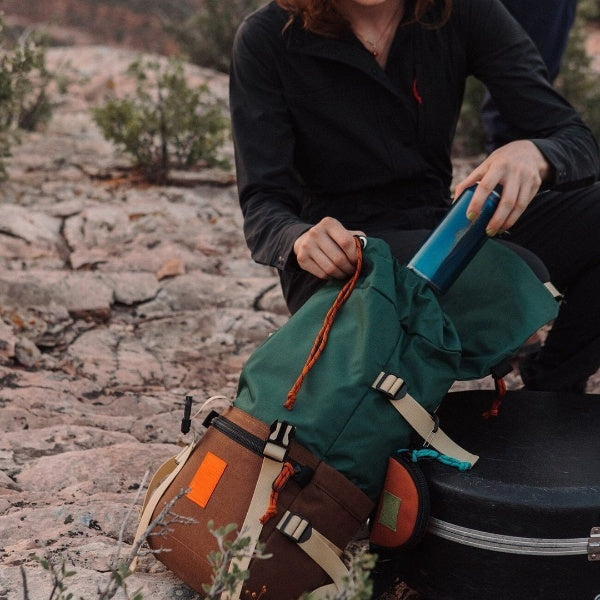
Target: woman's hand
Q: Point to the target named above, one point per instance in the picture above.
(520, 168)
(327, 250)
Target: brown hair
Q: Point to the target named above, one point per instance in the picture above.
(322, 16)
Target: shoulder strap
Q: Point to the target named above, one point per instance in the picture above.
(419, 419)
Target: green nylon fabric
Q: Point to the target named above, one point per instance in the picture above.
(391, 322)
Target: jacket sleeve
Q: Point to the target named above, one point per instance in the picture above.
(505, 59)
(269, 187)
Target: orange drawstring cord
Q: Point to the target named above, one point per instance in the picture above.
(286, 472)
(323, 334)
(494, 409)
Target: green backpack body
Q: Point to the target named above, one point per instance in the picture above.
(394, 323)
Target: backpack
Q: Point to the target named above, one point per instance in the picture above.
(299, 460)
(395, 346)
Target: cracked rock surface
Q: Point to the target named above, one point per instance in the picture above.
(116, 300)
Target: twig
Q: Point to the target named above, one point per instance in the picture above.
(120, 571)
(158, 520)
(24, 579)
(127, 517)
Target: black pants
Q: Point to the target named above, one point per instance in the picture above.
(561, 228)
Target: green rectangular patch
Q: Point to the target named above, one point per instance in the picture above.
(390, 506)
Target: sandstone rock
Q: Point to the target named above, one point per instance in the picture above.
(6, 482)
(33, 227)
(7, 342)
(170, 268)
(102, 469)
(271, 301)
(132, 288)
(29, 445)
(26, 352)
(39, 582)
(80, 293)
(85, 582)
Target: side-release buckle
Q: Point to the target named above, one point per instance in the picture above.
(295, 527)
(278, 442)
(392, 386)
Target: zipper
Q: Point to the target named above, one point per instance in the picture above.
(239, 435)
(422, 486)
(302, 473)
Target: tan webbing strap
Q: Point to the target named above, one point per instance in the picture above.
(419, 419)
(274, 452)
(424, 424)
(316, 545)
(252, 526)
(159, 483)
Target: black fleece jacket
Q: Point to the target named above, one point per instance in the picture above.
(320, 129)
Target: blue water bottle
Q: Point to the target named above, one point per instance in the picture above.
(454, 242)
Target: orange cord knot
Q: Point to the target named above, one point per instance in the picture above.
(494, 409)
(286, 472)
(321, 339)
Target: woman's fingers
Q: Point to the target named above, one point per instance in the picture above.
(512, 205)
(519, 167)
(327, 250)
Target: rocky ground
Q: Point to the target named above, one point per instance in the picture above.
(117, 299)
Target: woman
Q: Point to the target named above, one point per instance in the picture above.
(343, 115)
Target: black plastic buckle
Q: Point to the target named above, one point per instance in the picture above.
(501, 370)
(400, 392)
(280, 437)
(295, 527)
(302, 474)
(210, 417)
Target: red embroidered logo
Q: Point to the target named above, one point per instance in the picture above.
(415, 91)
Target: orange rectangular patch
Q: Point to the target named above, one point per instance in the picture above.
(206, 479)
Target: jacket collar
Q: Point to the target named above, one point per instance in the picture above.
(346, 49)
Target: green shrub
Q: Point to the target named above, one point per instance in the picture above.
(577, 82)
(470, 139)
(24, 102)
(357, 585)
(207, 37)
(32, 106)
(166, 124)
(589, 9)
